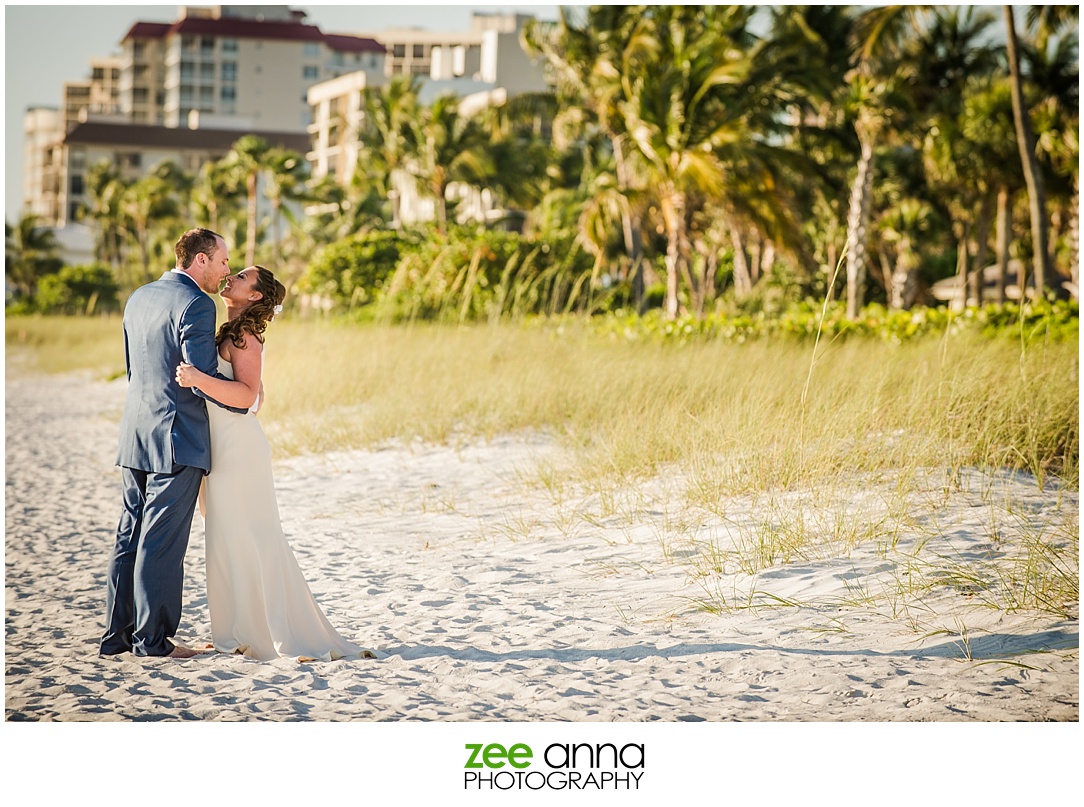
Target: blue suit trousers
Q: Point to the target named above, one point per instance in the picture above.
(146, 568)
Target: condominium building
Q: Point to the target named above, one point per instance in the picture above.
(443, 55)
(239, 68)
(97, 95)
(42, 133)
(252, 64)
(337, 112)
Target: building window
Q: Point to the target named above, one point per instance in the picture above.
(207, 98)
(138, 49)
(131, 159)
(229, 46)
(419, 51)
(207, 72)
(312, 49)
(188, 42)
(228, 95)
(419, 69)
(310, 73)
(188, 70)
(98, 73)
(398, 51)
(229, 71)
(139, 95)
(206, 46)
(372, 60)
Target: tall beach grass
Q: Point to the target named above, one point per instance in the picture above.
(733, 417)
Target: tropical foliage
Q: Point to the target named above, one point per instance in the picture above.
(710, 162)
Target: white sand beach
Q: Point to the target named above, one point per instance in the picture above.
(495, 603)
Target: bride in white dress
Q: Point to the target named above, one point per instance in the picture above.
(259, 601)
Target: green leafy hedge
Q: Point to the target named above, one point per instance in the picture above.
(1040, 320)
(352, 272)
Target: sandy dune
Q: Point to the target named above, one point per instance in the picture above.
(495, 603)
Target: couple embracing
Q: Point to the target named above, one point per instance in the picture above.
(189, 432)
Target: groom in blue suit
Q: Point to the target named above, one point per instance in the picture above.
(165, 447)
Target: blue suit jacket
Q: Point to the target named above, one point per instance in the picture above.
(164, 424)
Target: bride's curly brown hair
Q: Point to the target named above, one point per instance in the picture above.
(254, 319)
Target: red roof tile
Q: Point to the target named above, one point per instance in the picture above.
(148, 30)
(345, 43)
(248, 29)
(238, 28)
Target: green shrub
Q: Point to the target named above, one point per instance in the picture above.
(78, 290)
(352, 272)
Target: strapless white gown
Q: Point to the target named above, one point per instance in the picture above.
(259, 601)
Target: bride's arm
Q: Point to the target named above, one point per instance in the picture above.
(242, 392)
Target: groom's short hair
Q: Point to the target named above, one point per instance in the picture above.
(194, 242)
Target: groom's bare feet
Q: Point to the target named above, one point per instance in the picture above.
(183, 652)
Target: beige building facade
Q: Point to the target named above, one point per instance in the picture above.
(249, 64)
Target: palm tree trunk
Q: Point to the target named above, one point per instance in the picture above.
(857, 225)
(1004, 235)
(673, 208)
(959, 300)
(977, 280)
(901, 277)
(1029, 162)
(275, 205)
(630, 227)
(250, 239)
(1074, 237)
(743, 283)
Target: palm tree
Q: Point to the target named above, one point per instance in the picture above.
(1053, 67)
(217, 193)
(30, 254)
(588, 58)
(874, 97)
(951, 62)
(248, 158)
(387, 133)
(520, 152)
(700, 106)
(451, 148)
(286, 175)
(986, 121)
(903, 225)
(104, 189)
(144, 205)
(1025, 139)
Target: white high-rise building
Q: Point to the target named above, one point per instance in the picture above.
(43, 130)
(251, 64)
